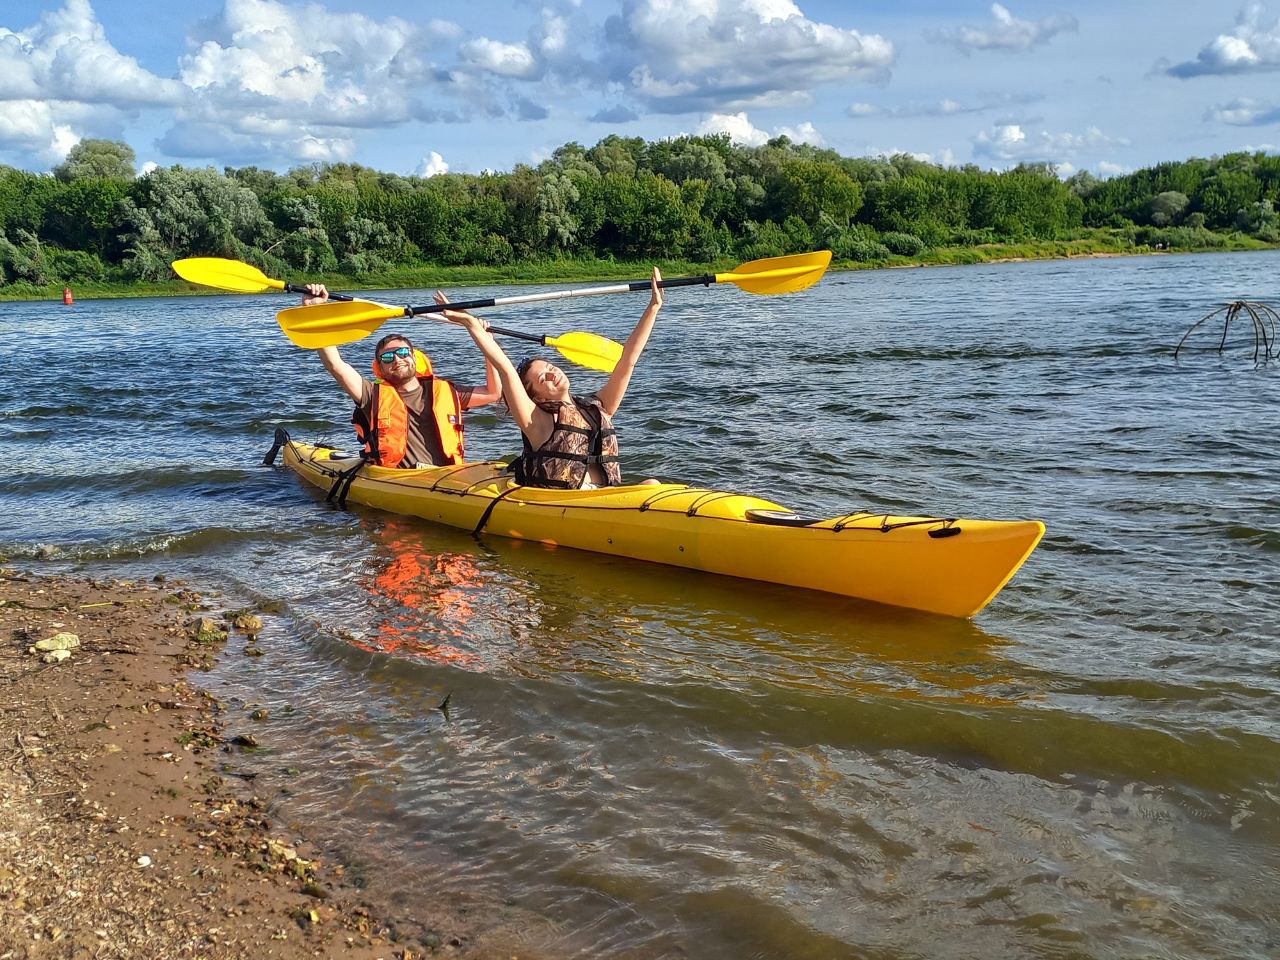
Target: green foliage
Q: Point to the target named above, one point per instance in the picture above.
(26, 259)
(903, 244)
(861, 250)
(624, 199)
(1178, 238)
(73, 266)
(1261, 220)
(1167, 207)
(176, 212)
(97, 160)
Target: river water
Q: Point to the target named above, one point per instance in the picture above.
(640, 762)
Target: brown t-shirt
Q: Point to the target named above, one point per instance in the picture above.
(423, 446)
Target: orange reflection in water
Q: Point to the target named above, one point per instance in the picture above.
(432, 596)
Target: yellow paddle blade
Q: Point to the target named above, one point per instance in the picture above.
(588, 350)
(225, 275)
(333, 324)
(779, 274)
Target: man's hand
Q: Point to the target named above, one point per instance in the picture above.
(316, 293)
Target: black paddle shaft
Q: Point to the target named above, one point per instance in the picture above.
(294, 288)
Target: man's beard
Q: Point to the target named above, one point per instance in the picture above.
(398, 379)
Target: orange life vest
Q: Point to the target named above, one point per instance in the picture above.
(386, 439)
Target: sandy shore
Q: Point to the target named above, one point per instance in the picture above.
(119, 835)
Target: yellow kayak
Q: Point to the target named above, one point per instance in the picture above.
(948, 566)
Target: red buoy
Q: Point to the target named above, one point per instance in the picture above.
(66, 295)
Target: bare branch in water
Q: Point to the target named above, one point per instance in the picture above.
(1264, 319)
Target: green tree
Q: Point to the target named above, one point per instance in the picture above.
(84, 214)
(1167, 207)
(100, 159)
(556, 219)
(807, 190)
(1226, 193)
(177, 212)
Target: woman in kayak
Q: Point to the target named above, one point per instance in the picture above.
(569, 441)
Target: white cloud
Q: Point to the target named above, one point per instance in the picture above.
(1108, 169)
(273, 83)
(1007, 33)
(943, 158)
(66, 56)
(62, 80)
(741, 130)
(717, 55)
(947, 106)
(148, 167)
(804, 133)
(1009, 143)
(736, 125)
(432, 165)
(31, 127)
(284, 62)
(504, 59)
(1253, 47)
(1245, 112)
(306, 81)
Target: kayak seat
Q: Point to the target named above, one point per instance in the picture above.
(781, 518)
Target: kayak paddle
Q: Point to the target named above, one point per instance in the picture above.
(235, 276)
(332, 324)
(585, 349)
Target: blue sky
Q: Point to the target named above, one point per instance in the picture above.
(424, 87)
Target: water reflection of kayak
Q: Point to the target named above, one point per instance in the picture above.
(941, 565)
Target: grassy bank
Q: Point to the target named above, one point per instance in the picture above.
(589, 271)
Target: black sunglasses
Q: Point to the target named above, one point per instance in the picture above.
(389, 356)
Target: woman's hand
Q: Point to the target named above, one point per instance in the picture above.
(469, 321)
(316, 293)
(656, 298)
(459, 317)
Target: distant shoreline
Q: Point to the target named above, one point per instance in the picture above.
(587, 271)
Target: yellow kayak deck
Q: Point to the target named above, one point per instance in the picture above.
(947, 566)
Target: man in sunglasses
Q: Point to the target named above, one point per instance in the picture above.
(407, 417)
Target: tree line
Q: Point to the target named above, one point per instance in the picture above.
(700, 199)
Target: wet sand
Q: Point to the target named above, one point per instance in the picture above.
(124, 829)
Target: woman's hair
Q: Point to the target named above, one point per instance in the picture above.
(522, 370)
(523, 366)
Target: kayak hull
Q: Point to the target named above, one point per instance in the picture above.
(939, 565)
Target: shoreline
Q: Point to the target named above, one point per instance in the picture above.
(125, 829)
(587, 271)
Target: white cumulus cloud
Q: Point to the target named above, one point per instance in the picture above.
(719, 55)
(66, 57)
(1253, 47)
(1245, 112)
(741, 130)
(504, 59)
(1009, 143)
(1006, 33)
(432, 165)
(62, 80)
(736, 125)
(1106, 168)
(31, 128)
